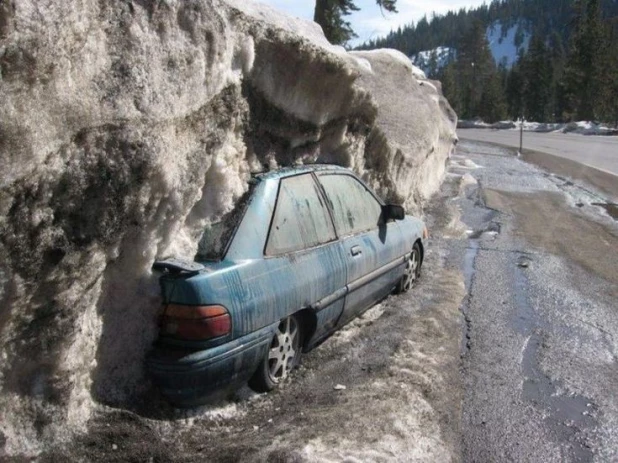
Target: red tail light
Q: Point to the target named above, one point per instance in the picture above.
(195, 322)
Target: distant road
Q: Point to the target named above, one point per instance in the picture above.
(599, 152)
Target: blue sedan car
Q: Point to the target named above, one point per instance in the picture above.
(305, 251)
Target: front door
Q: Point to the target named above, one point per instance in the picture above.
(373, 248)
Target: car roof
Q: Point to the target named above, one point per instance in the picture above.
(296, 170)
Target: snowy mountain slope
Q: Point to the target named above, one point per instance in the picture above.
(442, 56)
(505, 45)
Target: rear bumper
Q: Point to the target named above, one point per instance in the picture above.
(188, 378)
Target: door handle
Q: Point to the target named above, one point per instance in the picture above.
(356, 250)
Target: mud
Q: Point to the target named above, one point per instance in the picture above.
(546, 222)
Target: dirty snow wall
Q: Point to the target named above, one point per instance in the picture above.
(125, 127)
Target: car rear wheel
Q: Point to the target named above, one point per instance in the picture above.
(282, 357)
(412, 270)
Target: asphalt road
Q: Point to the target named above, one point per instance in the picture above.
(595, 151)
(540, 362)
(506, 350)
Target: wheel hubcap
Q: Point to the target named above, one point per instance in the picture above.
(409, 275)
(284, 349)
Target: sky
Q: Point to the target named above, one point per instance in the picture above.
(369, 23)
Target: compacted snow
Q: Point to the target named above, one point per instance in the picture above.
(126, 128)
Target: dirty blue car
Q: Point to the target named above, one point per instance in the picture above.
(306, 250)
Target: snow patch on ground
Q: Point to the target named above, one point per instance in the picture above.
(408, 438)
(465, 181)
(464, 164)
(354, 328)
(468, 179)
(580, 127)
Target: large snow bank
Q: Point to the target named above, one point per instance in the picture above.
(125, 128)
(408, 131)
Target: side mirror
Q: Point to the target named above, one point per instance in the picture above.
(392, 211)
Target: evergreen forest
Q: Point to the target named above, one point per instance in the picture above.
(568, 72)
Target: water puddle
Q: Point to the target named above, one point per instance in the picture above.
(468, 271)
(567, 414)
(610, 208)
(468, 263)
(475, 239)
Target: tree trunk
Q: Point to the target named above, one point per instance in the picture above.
(319, 14)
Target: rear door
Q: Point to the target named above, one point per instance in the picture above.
(373, 248)
(306, 261)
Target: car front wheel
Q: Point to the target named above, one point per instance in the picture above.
(282, 357)
(412, 270)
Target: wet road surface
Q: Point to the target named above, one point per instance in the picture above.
(540, 361)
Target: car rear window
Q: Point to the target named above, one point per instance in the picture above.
(216, 237)
(301, 218)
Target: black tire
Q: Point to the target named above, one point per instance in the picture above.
(282, 356)
(412, 271)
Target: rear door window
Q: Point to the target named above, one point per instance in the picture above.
(301, 218)
(216, 236)
(355, 209)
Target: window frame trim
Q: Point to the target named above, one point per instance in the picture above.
(322, 195)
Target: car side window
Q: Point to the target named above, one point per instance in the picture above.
(355, 209)
(301, 218)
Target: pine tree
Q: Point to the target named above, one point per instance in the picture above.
(609, 86)
(478, 78)
(568, 87)
(330, 15)
(557, 58)
(492, 106)
(590, 60)
(432, 65)
(584, 75)
(537, 81)
(515, 88)
(450, 88)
